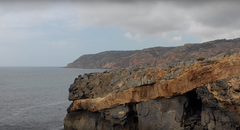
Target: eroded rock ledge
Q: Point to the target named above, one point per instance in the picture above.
(203, 95)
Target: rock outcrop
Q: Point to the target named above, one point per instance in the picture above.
(157, 55)
(203, 95)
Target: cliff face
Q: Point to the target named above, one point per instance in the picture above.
(201, 95)
(157, 55)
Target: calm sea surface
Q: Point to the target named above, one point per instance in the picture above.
(35, 98)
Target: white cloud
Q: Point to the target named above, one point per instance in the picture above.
(176, 39)
(128, 35)
(136, 37)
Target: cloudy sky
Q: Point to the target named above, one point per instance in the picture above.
(54, 33)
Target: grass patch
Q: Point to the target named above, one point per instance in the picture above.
(200, 59)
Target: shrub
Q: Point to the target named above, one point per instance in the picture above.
(227, 55)
(200, 59)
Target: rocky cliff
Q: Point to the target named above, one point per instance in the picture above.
(201, 95)
(157, 55)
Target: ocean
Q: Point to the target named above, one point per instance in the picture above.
(35, 98)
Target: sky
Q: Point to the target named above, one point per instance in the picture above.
(57, 32)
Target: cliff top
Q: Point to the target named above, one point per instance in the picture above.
(157, 55)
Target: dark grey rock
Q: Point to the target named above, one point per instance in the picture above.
(166, 114)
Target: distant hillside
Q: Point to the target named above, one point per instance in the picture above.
(156, 55)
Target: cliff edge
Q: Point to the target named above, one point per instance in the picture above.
(201, 95)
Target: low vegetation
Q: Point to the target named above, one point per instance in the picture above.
(200, 59)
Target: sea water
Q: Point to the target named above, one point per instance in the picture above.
(35, 98)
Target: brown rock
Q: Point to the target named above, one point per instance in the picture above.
(197, 75)
(203, 95)
(185, 54)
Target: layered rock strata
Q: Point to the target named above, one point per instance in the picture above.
(202, 95)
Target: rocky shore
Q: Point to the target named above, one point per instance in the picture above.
(189, 95)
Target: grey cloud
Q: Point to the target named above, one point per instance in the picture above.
(218, 14)
(147, 18)
(23, 18)
(204, 18)
(34, 10)
(24, 6)
(164, 17)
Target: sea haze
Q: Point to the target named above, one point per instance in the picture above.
(35, 97)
